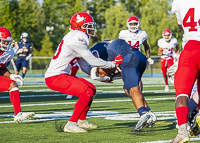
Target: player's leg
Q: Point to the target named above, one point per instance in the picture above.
(18, 66)
(24, 68)
(194, 116)
(164, 72)
(82, 122)
(7, 84)
(184, 79)
(74, 86)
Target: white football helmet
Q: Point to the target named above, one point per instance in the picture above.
(24, 35)
(133, 24)
(167, 32)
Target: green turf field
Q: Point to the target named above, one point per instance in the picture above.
(112, 111)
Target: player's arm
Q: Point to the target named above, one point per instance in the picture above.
(147, 49)
(177, 49)
(4, 71)
(90, 58)
(30, 52)
(160, 51)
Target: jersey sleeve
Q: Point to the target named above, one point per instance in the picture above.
(85, 53)
(31, 46)
(84, 66)
(175, 10)
(159, 43)
(145, 36)
(122, 35)
(80, 39)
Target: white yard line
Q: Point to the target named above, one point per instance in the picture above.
(167, 141)
(104, 101)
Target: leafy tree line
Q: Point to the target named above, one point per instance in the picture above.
(110, 15)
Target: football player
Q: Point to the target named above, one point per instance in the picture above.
(188, 18)
(24, 53)
(72, 49)
(136, 37)
(132, 67)
(166, 46)
(8, 80)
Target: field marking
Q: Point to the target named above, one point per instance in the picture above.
(104, 101)
(109, 115)
(167, 141)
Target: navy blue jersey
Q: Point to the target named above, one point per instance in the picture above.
(26, 48)
(134, 62)
(101, 50)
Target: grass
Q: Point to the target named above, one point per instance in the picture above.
(108, 131)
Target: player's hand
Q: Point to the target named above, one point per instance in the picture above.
(165, 52)
(19, 51)
(171, 70)
(17, 78)
(151, 61)
(118, 59)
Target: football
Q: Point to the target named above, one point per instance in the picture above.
(105, 72)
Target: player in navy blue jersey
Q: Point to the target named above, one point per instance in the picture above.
(132, 68)
(24, 53)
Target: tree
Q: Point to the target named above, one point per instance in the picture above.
(155, 18)
(47, 47)
(31, 18)
(58, 14)
(115, 21)
(97, 9)
(9, 16)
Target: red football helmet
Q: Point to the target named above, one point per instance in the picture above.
(167, 34)
(84, 22)
(5, 38)
(133, 23)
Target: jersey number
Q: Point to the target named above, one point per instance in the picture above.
(137, 44)
(191, 23)
(58, 50)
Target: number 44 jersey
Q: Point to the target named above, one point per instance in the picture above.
(188, 15)
(134, 39)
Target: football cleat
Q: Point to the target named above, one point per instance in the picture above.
(86, 124)
(166, 88)
(21, 116)
(151, 120)
(73, 128)
(182, 136)
(195, 129)
(142, 122)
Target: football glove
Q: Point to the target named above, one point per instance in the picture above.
(17, 78)
(118, 59)
(171, 70)
(165, 51)
(28, 57)
(19, 51)
(151, 61)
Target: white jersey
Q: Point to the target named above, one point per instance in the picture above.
(134, 39)
(167, 47)
(6, 56)
(188, 15)
(72, 49)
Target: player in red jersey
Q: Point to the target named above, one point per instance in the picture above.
(74, 49)
(188, 18)
(7, 79)
(166, 47)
